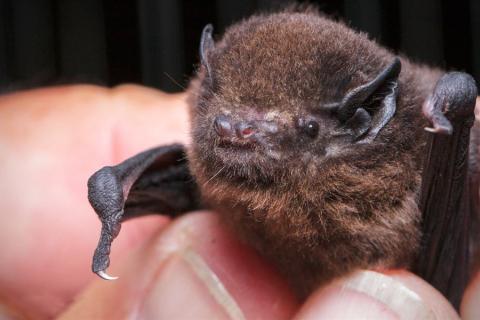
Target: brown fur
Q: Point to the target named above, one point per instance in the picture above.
(317, 214)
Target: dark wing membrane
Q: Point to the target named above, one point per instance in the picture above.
(168, 189)
(445, 204)
(154, 181)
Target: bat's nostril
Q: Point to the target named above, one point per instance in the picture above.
(222, 126)
(244, 130)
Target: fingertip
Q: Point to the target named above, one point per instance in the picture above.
(372, 295)
(337, 303)
(240, 282)
(431, 297)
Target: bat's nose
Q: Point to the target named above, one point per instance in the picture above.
(246, 131)
(225, 128)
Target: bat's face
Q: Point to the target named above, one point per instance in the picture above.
(257, 142)
(278, 96)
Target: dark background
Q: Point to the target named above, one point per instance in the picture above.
(154, 42)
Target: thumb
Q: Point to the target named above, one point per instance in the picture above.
(51, 141)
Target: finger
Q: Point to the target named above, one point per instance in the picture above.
(51, 141)
(372, 295)
(129, 117)
(470, 308)
(194, 269)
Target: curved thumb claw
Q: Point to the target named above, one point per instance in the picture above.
(102, 274)
(443, 129)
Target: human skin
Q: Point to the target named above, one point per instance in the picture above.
(52, 140)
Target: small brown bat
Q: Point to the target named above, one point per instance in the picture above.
(308, 138)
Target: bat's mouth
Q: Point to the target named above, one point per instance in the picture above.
(236, 146)
(230, 153)
(246, 152)
(245, 163)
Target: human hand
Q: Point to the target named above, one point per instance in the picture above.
(51, 140)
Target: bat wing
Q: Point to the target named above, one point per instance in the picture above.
(156, 180)
(445, 197)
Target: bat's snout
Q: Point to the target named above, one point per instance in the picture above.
(243, 130)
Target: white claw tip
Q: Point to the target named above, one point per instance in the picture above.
(433, 130)
(102, 274)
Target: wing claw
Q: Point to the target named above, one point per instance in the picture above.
(105, 276)
(440, 130)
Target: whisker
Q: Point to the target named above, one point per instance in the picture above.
(174, 81)
(183, 158)
(216, 174)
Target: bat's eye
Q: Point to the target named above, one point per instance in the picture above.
(311, 128)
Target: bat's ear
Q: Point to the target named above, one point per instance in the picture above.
(366, 109)
(206, 45)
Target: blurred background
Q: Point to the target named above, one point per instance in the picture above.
(155, 42)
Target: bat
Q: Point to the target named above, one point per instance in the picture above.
(324, 151)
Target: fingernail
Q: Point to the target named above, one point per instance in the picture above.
(186, 287)
(397, 297)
